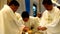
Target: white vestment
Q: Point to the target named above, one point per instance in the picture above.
(9, 21)
(51, 20)
(18, 16)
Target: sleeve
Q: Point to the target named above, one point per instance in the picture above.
(43, 21)
(20, 23)
(18, 15)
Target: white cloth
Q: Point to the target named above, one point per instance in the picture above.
(9, 21)
(51, 20)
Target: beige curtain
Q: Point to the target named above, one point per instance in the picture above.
(2, 2)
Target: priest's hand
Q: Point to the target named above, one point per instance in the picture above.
(42, 28)
(39, 28)
(26, 29)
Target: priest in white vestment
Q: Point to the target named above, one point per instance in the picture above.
(50, 18)
(29, 22)
(8, 19)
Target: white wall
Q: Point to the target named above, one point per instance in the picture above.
(22, 6)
